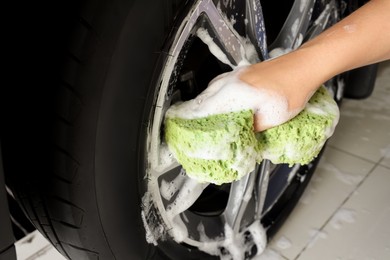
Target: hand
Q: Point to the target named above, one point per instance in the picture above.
(233, 91)
(286, 79)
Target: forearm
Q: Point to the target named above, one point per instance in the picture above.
(360, 39)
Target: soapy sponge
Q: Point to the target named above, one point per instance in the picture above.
(301, 139)
(222, 148)
(218, 149)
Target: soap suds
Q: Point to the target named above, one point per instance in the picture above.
(295, 27)
(269, 254)
(150, 237)
(165, 159)
(283, 243)
(315, 235)
(168, 189)
(322, 19)
(340, 88)
(342, 216)
(298, 41)
(302, 5)
(154, 228)
(274, 53)
(234, 245)
(188, 193)
(350, 28)
(227, 93)
(204, 35)
(345, 177)
(385, 152)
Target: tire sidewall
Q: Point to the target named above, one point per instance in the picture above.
(129, 79)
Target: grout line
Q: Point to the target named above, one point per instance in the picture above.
(385, 166)
(382, 159)
(40, 252)
(354, 155)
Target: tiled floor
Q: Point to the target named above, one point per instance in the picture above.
(345, 212)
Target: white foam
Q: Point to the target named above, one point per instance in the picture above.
(345, 177)
(165, 159)
(316, 234)
(150, 237)
(295, 27)
(220, 151)
(259, 236)
(227, 93)
(298, 41)
(342, 216)
(188, 193)
(385, 152)
(302, 5)
(245, 161)
(168, 189)
(269, 254)
(155, 230)
(283, 243)
(204, 35)
(340, 88)
(350, 28)
(234, 242)
(274, 53)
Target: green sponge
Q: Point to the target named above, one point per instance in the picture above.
(218, 149)
(222, 148)
(301, 139)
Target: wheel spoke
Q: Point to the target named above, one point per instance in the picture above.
(321, 22)
(224, 37)
(261, 187)
(164, 161)
(292, 33)
(169, 188)
(255, 27)
(188, 192)
(240, 194)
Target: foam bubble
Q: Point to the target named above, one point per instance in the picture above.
(283, 243)
(343, 216)
(234, 244)
(228, 93)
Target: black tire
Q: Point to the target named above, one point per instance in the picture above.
(73, 163)
(361, 81)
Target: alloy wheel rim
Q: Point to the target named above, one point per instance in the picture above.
(167, 185)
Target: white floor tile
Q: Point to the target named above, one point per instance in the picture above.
(364, 127)
(362, 137)
(270, 254)
(360, 228)
(337, 176)
(386, 157)
(36, 247)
